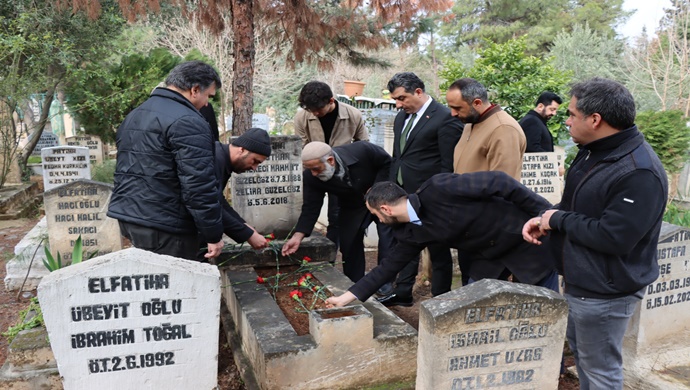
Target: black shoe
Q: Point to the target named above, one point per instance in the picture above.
(394, 300)
(385, 290)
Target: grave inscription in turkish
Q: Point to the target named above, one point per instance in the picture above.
(91, 142)
(64, 164)
(79, 209)
(540, 174)
(134, 320)
(491, 334)
(270, 198)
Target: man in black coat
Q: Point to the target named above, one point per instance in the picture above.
(480, 213)
(165, 190)
(244, 153)
(346, 171)
(537, 134)
(425, 135)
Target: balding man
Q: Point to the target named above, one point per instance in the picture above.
(346, 171)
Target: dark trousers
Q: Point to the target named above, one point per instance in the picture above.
(184, 246)
(333, 229)
(353, 224)
(441, 273)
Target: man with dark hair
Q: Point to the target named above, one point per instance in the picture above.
(244, 153)
(424, 137)
(539, 138)
(492, 139)
(604, 232)
(165, 190)
(323, 118)
(347, 171)
(479, 213)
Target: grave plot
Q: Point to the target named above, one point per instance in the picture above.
(362, 345)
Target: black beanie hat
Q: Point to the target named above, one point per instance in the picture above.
(255, 140)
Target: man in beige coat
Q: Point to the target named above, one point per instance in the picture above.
(492, 140)
(322, 118)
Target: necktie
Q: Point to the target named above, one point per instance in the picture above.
(403, 141)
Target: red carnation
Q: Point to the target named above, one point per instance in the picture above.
(296, 295)
(260, 280)
(306, 258)
(308, 275)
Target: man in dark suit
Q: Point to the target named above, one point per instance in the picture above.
(480, 213)
(537, 134)
(425, 137)
(346, 171)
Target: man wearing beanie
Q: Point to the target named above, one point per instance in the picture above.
(346, 171)
(244, 153)
(165, 189)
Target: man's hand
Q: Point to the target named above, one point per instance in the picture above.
(257, 241)
(531, 231)
(292, 244)
(341, 300)
(214, 249)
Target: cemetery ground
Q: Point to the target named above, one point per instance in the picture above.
(229, 378)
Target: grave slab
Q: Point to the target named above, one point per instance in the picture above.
(270, 198)
(64, 164)
(92, 142)
(540, 174)
(134, 320)
(32, 245)
(372, 347)
(47, 140)
(315, 247)
(79, 209)
(491, 334)
(656, 347)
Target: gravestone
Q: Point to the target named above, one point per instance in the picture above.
(134, 320)
(262, 121)
(47, 140)
(79, 208)
(270, 198)
(491, 334)
(656, 346)
(92, 142)
(540, 174)
(64, 164)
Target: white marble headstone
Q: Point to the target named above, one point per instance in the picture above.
(134, 320)
(540, 174)
(64, 164)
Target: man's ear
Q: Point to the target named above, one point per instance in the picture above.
(331, 160)
(539, 107)
(596, 120)
(386, 210)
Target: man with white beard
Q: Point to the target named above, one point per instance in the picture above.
(347, 172)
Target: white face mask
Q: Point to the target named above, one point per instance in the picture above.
(327, 173)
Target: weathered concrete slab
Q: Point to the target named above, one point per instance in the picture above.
(315, 247)
(491, 334)
(374, 347)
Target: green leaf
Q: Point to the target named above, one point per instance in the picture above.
(77, 253)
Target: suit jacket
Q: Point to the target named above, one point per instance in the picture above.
(539, 138)
(479, 213)
(429, 147)
(365, 165)
(348, 127)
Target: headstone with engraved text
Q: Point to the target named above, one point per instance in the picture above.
(92, 142)
(64, 164)
(270, 198)
(47, 140)
(540, 174)
(491, 334)
(657, 341)
(134, 320)
(79, 209)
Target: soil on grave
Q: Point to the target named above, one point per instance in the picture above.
(295, 312)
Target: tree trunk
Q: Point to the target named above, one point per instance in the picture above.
(243, 67)
(38, 129)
